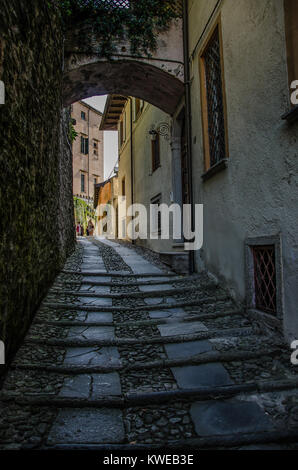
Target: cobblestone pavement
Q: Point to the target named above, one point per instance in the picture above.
(123, 351)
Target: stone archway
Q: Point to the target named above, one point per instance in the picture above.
(129, 78)
(158, 79)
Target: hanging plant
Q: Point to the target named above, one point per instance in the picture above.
(138, 21)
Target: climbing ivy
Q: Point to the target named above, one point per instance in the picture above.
(72, 132)
(139, 22)
(83, 212)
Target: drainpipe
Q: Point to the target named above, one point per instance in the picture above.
(131, 158)
(88, 152)
(188, 122)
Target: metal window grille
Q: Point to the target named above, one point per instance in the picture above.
(156, 201)
(175, 5)
(109, 3)
(155, 149)
(265, 278)
(216, 121)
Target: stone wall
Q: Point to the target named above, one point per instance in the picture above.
(36, 223)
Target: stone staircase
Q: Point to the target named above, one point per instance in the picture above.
(126, 354)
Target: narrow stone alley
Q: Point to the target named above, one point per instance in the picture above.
(122, 352)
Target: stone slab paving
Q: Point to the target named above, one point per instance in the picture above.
(96, 279)
(91, 386)
(229, 417)
(173, 313)
(99, 317)
(95, 289)
(151, 424)
(87, 426)
(175, 329)
(106, 356)
(96, 302)
(205, 375)
(189, 349)
(91, 332)
(156, 287)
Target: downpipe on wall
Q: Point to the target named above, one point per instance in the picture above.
(188, 124)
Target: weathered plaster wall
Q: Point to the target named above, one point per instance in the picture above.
(158, 80)
(257, 194)
(36, 222)
(147, 184)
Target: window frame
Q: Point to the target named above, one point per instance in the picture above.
(83, 183)
(157, 201)
(250, 243)
(291, 32)
(204, 99)
(84, 145)
(122, 130)
(155, 153)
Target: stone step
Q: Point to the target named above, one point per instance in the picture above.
(158, 306)
(159, 321)
(103, 341)
(205, 358)
(231, 441)
(120, 274)
(144, 294)
(138, 283)
(135, 399)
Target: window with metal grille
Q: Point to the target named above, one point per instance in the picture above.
(213, 101)
(156, 214)
(115, 3)
(265, 278)
(155, 150)
(291, 29)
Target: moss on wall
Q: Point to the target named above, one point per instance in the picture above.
(32, 157)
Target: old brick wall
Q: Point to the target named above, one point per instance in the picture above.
(36, 215)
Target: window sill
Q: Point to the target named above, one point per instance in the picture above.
(292, 115)
(155, 169)
(222, 165)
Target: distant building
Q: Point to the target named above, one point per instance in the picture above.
(146, 169)
(88, 150)
(107, 193)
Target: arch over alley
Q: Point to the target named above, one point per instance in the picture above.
(158, 79)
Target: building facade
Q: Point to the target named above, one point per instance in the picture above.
(106, 195)
(244, 150)
(232, 148)
(145, 173)
(88, 150)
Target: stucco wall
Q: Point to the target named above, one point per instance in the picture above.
(147, 184)
(257, 194)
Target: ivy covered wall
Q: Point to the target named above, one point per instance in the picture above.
(36, 211)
